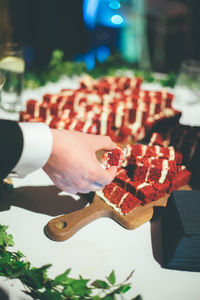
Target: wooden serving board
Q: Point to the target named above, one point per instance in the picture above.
(63, 227)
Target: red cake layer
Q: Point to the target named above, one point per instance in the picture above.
(129, 203)
(158, 139)
(153, 170)
(182, 178)
(120, 199)
(131, 186)
(163, 115)
(142, 190)
(135, 193)
(146, 193)
(108, 189)
(107, 84)
(161, 170)
(161, 189)
(116, 196)
(122, 178)
(140, 169)
(116, 105)
(155, 151)
(114, 157)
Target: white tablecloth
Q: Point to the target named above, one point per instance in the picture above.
(96, 249)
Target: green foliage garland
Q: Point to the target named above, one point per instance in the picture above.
(38, 285)
(58, 67)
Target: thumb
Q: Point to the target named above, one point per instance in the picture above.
(100, 142)
(105, 177)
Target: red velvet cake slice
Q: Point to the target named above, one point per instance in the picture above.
(129, 203)
(122, 178)
(131, 186)
(117, 196)
(146, 192)
(143, 190)
(161, 189)
(108, 189)
(161, 170)
(158, 139)
(141, 169)
(122, 201)
(138, 150)
(154, 151)
(182, 178)
(114, 157)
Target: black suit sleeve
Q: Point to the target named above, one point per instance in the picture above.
(11, 145)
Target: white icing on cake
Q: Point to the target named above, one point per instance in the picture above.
(153, 138)
(104, 121)
(48, 120)
(128, 150)
(37, 109)
(73, 124)
(107, 99)
(121, 82)
(141, 94)
(93, 98)
(152, 107)
(61, 105)
(61, 124)
(152, 94)
(165, 168)
(88, 122)
(77, 99)
(119, 114)
(171, 153)
(53, 98)
(101, 195)
(144, 150)
(157, 148)
(142, 185)
(122, 199)
(133, 82)
(67, 93)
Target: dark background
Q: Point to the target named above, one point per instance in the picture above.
(44, 25)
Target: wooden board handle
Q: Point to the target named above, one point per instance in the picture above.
(63, 227)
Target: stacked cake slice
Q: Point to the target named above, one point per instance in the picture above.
(114, 106)
(148, 173)
(186, 140)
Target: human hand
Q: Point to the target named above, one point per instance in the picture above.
(73, 166)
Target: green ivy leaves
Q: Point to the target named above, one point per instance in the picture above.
(5, 239)
(39, 286)
(58, 67)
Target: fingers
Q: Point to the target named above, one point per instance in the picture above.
(100, 142)
(103, 176)
(94, 183)
(102, 181)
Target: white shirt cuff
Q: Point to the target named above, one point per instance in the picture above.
(37, 147)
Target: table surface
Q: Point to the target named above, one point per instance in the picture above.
(98, 248)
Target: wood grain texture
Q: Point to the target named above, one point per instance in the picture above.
(63, 227)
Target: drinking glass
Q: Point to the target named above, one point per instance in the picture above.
(2, 80)
(187, 88)
(12, 65)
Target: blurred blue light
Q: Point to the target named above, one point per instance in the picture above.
(117, 19)
(90, 8)
(100, 12)
(114, 4)
(102, 53)
(89, 60)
